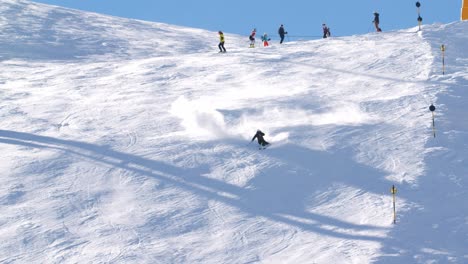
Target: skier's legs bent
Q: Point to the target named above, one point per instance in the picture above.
(221, 47)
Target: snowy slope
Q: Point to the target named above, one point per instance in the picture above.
(126, 141)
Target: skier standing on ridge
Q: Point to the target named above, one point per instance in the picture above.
(281, 33)
(265, 40)
(376, 22)
(261, 141)
(326, 31)
(221, 42)
(252, 38)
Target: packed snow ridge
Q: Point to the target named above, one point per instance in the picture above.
(126, 141)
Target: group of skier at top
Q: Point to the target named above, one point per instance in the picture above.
(282, 33)
(259, 135)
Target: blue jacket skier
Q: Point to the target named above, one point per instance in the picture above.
(259, 136)
(281, 33)
(265, 40)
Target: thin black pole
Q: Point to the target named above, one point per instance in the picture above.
(432, 109)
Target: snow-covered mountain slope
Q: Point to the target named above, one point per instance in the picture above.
(33, 31)
(128, 142)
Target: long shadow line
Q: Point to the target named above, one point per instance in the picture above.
(205, 187)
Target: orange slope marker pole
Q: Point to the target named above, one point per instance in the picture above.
(464, 10)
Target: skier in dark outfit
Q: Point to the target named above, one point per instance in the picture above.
(326, 31)
(376, 22)
(261, 141)
(281, 32)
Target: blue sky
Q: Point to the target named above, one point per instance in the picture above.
(300, 17)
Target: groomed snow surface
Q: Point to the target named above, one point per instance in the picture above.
(125, 141)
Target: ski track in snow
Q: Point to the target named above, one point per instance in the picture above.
(118, 148)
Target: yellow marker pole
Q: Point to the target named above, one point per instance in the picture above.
(464, 10)
(394, 191)
(442, 48)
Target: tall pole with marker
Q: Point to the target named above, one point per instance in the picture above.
(442, 48)
(418, 5)
(393, 190)
(432, 109)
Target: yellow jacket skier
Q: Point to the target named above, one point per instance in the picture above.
(221, 42)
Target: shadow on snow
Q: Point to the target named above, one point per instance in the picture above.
(276, 194)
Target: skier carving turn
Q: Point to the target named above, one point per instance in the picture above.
(261, 141)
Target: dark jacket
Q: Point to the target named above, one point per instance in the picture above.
(281, 31)
(326, 31)
(376, 18)
(259, 136)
